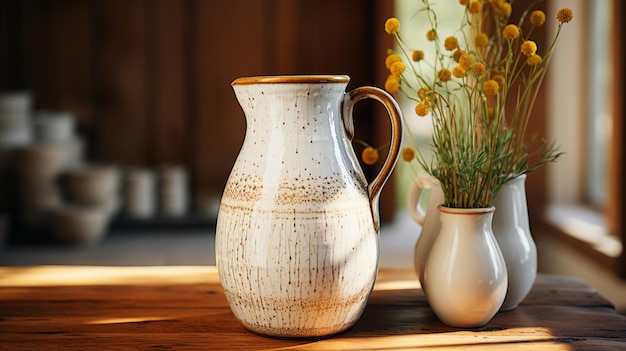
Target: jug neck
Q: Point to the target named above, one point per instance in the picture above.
(295, 106)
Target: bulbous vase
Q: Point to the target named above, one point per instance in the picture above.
(465, 272)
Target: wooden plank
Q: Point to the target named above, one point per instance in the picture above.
(184, 308)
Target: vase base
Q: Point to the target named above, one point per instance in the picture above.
(508, 308)
(288, 334)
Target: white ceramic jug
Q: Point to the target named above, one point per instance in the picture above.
(297, 241)
(512, 231)
(427, 218)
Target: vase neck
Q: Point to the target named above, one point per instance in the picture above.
(474, 220)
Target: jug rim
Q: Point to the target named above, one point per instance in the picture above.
(291, 79)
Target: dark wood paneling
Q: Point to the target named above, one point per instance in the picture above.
(4, 45)
(123, 125)
(55, 42)
(167, 83)
(229, 42)
(149, 80)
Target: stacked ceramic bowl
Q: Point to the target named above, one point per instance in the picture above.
(92, 192)
(94, 186)
(15, 119)
(38, 169)
(52, 151)
(80, 225)
(15, 132)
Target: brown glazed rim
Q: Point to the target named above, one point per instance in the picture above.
(466, 211)
(292, 79)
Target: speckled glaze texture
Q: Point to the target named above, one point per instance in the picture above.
(297, 232)
(512, 231)
(465, 273)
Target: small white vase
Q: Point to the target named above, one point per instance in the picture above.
(465, 271)
(427, 218)
(512, 231)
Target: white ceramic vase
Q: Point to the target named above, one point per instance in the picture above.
(297, 242)
(427, 218)
(465, 272)
(512, 231)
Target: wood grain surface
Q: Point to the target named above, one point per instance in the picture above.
(184, 308)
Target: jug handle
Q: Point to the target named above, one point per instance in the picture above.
(395, 115)
(413, 203)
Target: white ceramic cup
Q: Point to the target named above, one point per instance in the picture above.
(54, 127)
(140, 193)
(173, 192)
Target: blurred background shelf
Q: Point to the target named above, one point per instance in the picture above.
(192, 221)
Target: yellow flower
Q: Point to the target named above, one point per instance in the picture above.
(451, 43)
(408, 153)
(528, 48)
(459, 72)
(498, 78)
(392, 25)
(397, 68)
(457, 55)
(444, 75)
(481, 40)
(464, 2)
(369, 156)
(537, 18)
(534, 60)
(421, 109)
(564, 15)
(503, 9)
(478, 69)
(465, 61)
(392, 84)
(418, 55)
(491, 87)
(391, 59)
(423, 93)
(431, 35)
(510, 32)
(490, 112)
(475, 7)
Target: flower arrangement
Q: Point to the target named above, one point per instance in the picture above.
(488, 63)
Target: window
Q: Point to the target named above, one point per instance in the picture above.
(584, 187)
(599, 121)
(420, 127)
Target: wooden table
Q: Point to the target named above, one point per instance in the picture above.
(183, 308)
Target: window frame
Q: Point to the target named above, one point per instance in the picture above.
(615, 213)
